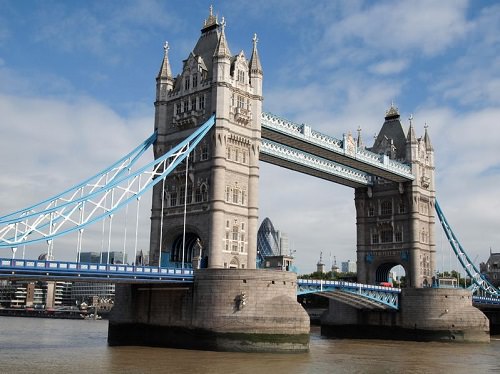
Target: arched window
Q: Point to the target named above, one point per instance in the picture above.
(386, 208)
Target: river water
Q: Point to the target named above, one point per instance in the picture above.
(39, 345)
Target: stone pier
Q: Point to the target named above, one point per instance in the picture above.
(224, 310)
(425, 314)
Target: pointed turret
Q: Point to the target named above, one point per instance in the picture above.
(411, 142)
(222, 49)
(255, 66)
(411, 137)
(165, 69)
(164, 80)
(359, 141)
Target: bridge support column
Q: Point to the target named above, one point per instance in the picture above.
(425, 314)
(223, 310)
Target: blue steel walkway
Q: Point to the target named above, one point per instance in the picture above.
(13, 269)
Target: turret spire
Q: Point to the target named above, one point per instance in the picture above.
(222, 49)
(359, 142)
(255, 66)
(427, 139)
(411, 137)
(165, 70)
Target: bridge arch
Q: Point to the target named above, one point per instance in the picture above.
(173, 243)
(384, 269)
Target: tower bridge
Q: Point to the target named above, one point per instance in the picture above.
(210, 133)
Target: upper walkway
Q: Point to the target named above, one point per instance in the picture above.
(300, 148)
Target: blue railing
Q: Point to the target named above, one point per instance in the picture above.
(74, 271)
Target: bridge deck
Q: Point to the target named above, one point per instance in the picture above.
(83, 272)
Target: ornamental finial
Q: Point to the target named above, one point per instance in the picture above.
(255, 40)
(211, 20)
(411, 119)
(223, 23)
(166, 47)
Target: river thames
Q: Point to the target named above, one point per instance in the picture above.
(39, 345)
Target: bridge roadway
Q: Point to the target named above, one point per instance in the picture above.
(358, 295)
(358, 164)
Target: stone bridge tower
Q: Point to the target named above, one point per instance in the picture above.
(221, 195)
(395, 221)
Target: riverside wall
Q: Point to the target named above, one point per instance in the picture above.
(224, 309)
(425, 314)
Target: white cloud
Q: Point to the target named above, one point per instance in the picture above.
(389, 67)
(49, 145)
(426, 27)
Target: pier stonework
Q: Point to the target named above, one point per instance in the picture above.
(224, 310)
(425, 314)
(206, 214)
(395, 221)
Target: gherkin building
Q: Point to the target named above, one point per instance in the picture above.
(268, 241)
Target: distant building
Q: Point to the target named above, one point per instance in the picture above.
(51, 294)
(115, 257)
(348, 266)
(90, 257)
(491, 268)
(273, 250)
(320, 266)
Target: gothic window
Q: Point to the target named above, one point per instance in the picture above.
(185, 104)
(242, 226)
(236, 195)
(236, 155)
(234, 245)
(202, 102)
(195, 80)
(371, 211)
(228, 193)
(173, 199)
(228, 153)
(244, 157)
(241, 76)
(186, 83)
(197, 196)
(386, 236)
(398, 236)
(204, 192)
(241, 102)
(204, 152)
(402, 207)
(375, 238)
(178, 108)
(243, 197)
(386, 208)
(193, 103)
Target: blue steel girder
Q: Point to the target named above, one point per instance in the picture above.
(358, 295)
(303, 138)
(296, 160)
(479, 282)
(96, 198)
(13, 269)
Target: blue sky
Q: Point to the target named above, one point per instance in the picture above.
(77, 89)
